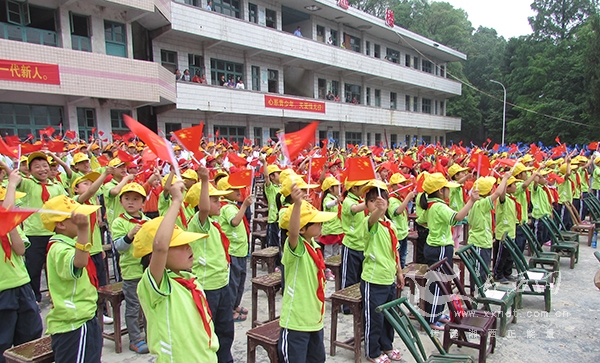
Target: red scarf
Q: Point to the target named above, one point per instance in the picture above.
(225, 240)
(133, 220)
(93, 219)
(201, 304)
(90, 268)
(244, 219)
(388, 225)
(319, 261)
(182, 217)
(7, 248)
(45, 193)
(518, 208)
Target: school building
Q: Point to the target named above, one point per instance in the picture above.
(81, 64)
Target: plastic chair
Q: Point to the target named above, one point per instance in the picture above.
(559, 245)
(540, 257)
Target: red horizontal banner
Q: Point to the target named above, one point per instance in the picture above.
(12, 70)
(293, 104)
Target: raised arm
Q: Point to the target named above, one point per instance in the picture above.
(14, 178)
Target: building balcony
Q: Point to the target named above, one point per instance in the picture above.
(222, 100)
(84, 74)
(215, 29)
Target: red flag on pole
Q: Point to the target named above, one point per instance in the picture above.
(12, 218)
(190, 138)
(359, 169)
(7, 150)
(237, 160)
(293, 143)
(124, 157)
(241, 178)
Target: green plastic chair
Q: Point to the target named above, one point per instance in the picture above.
(397, 313)
(559, 245)
(540, 258)
(560, 226)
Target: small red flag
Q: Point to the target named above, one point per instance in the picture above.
(12, 218)
(191, 138)
(70, 135)
(236, 160)
(8, 150)
(156, 143)
(482, 164)
(593, 146)
(420, 181)
(271, 159)
(102, 160)
(217, 133)
(359, 169)
(241, 178)
(317, 164)
(56, 146)
(12, 140)
(124, 157)
(408, 162)
(27, 148)
(295, 142)
(557, 140)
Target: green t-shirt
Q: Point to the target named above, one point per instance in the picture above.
(521, 197)
(175, 328)
(565, 193)
(480, 222)
(540, 202)
(131, 267)
(596, 178)
(300, 306)
(440, 217)
(333, 226)
(13, 271)
(271, 191)
(577, 189)
(73, 296)
(95, 235)
(585, 187)
(33, 226)
(112, 203)
(210, 259)
(400, 221)
(457, 201)
(237, 235)
(420, 212)
(164, 202)
(506, 218)
(379, 266)
(352, 224)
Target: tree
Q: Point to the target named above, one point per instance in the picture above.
(557, 19)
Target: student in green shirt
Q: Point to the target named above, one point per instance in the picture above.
(332, 234)
(112, 189)
(438, 217)
(522, 196)
(541, 204)
(180, 327)
(272, 187)
(460, 175)
(565, 193)
(303, 302)
(19, 312)
(508, 215)
(596, 177)
(381, 273)
(72, 282)
(398, 213)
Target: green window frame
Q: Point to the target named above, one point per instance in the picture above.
(195, 64)
(252, 13)
(393, 100)
(426, 105)
(227, 7)
(353, 138)
(81, 32)
(231, 133)
(117, 123)
(23, 119)
(86, 121)
(255, 78)
(351, 91)
(115, 35)
(225, 68)
(168, 59)
(378, 97)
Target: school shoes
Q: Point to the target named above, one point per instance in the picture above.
(140, 347)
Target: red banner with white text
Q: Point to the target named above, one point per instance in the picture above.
(13, 70)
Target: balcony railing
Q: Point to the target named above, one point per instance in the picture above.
(28, 35)
(81, 43)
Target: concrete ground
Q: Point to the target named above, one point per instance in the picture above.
(569, 333)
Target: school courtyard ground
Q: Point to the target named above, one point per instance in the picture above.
(569, 333)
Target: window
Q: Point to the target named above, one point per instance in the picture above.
(115, 36)
(116, 121)
(257, 136)
(80, 33)
(271, 18)
(171, 127)
(377, 139)
(393, 55)
(407, 103)
(227, 7)
(407, 58)
(352, 91)
(407, 141)
(378, 97)
(416, 62)
(28, 23)
(191, 2)
(321, 33)
(394, 140)
(393, 100)
(255, 78)
(273, 134)
(352, 43)
(229, 70)
(86, 120)
(231, 133)
(441, 140)
(427, 66)
(426, 105)
(426, 139)
(353, 138)
(273, 81)
(368, 96)
(442, 71)
(442, 108)
(17, 12)
(252, 13)
(168, 59)
(322, 136)
(415, 104)
(322, 88)
(368, 47)
(334, 36)
(336, 137)
(22, 120)
(195, 64)
(368, 138)
(377, 51)
(335, 88)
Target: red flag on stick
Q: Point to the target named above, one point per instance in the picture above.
(157, 144)
(359, 169)
(7, 150)
(56, 146)
(295, 142)
(237, 160)
(190, 138)
(12, 218)
(483, 164)
(241, 178)
(124, 157)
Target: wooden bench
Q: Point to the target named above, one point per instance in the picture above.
(334, 263)
(35, 351)
(112, 293)
(267, 255)
(267, 336)
(412, 238)
(270, 284)
(415, 276)
(352, 298)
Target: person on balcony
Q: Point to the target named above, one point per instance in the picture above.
(186, 76)
(298, 33)
(240, 84)
(177, 74)
(197, 78)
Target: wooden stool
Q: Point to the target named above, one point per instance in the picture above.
(412, 238)
(352, 298)
(414, 275)
(114, 294)
(38, 351)
(267, 336)
(270, 284)
(334, 263)
(461, 268)
(268, 255)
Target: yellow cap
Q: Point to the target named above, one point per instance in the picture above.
(286, 186)
(397, 178)
(273, 169)
(192, 197)
(329, 182)
(545, 172)
(23, 159)
(373, 184)
(223, 184)
(286, 174)
(190, 174)
(116, 162)
(597, 160)
(95, 147)
(144, 238)
(80, 157)
(133, 187)
(18, 195)
(35, 155)
(92, 176)
(308, 214)
(164, 180)
(356, 183)
(510, 180)
(519, 168)
(436, 181)
(454, 169)
(581, 159)
(66, 205)
(485, 184)
(176, 148)
(527, 158)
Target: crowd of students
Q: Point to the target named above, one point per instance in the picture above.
(183, 242)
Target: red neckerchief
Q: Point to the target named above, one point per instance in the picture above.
(555, 195)
(201, 303)
(517, 207)
(578, 179)
(182, 217)
(133, 220)
(7, 248)
(548, 194)
(90, 268)
(317, 257)
(388, 225)
(58, 178)
(225, 240)
(93, 219)
(45, 192)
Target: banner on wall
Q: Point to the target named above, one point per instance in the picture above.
(294, 104)
(19, 71)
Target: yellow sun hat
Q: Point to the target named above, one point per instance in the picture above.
(308, 214)
(455, 169)
(436, 181)
(373, 184)
(485, 184)
(144, 238)
(92, 176)
(519, 168)
(133, 187)
(286, 186)
(223, 184)
(65, 205)
(18, 195)
(329, 182)
(397, 178)
(192, 197)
